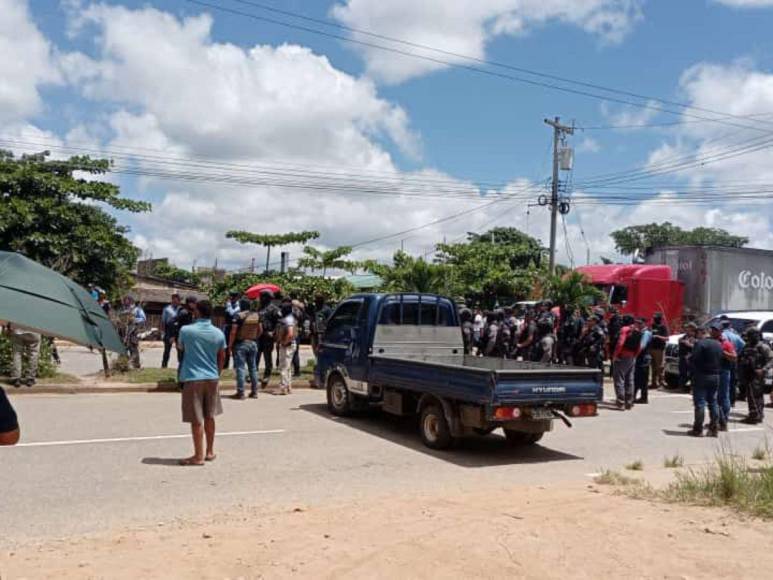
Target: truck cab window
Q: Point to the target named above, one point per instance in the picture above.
(341, 323)
(618, 295)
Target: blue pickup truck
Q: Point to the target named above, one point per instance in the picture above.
(404, 353)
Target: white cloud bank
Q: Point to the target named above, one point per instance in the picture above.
(465, 27)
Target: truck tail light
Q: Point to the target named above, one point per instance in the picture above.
(507, 413)
(588, 410)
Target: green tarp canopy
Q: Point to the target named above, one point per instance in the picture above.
(39, 299)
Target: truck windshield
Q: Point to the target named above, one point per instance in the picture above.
(618, 294)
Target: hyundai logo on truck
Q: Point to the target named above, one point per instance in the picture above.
(759, 281)
(549, 390)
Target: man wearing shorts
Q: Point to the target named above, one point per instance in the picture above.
(9, 425)
(204, 347)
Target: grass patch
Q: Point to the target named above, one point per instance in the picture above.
(169, 376)
(674, 461)
(728, 482)
(609, 477)
(637, 465)
(60, 379)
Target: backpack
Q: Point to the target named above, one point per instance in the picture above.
(633, 340)
(249, 324)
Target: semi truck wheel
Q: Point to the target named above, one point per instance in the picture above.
(521, 438)
(338, 399)
(434, 428)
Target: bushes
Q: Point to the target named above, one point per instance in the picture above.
(46, 366)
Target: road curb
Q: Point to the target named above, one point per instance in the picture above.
(69, 389)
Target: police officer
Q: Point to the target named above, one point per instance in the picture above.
(243, 342)
(465, 316)
(527, 336)
(592, 344)
(754, 363)
(491, 344)
(569, 335)
(132, 318)
(269, 318)
(544, 347)
(320, 316)
(232, 309)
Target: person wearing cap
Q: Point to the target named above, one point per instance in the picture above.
(232, 310)
(706, 359)
(168, 317)
(657, 351)
(754, 364)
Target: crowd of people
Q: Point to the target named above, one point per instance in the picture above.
(716, 363)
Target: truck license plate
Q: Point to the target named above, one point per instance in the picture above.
(541, 413)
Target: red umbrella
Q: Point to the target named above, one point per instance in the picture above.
(254, 292)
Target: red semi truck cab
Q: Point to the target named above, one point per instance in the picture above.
(639, 289)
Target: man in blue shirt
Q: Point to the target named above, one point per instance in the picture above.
(642, 369)
(730, 379)
(168, 320)
(204, 347)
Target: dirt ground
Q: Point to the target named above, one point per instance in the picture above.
(578, 531)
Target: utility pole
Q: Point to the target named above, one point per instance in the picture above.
(559, 131)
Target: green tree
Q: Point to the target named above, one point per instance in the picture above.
(294, 283)
(409, 274)
(570, 290)
(53, 217)
(269, 241)
(174, 274)
(325, 260)
(498, 265)
(643, 238)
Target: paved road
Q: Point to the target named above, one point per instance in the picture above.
(80, 361)
(286, 451)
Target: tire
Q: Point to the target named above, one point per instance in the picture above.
(434, 428)
(518, 438)
(338, 397)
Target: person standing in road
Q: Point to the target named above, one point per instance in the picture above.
(132, 321)
(9, 422)
(738, 344)
(204, 347)
(623, 361)
(729, 357)
(299, 313)
(527, 337)
(232, 310)
(592, 344)
(686, 344)
(168, 320)
(657, 350)
(243, 342)
(285, 338)
(25, 344)
(642, 366)
(755, 361)
(706, 363)
(465, 317)
(269, 318)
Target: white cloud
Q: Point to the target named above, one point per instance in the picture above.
(465, 27)
(26, 64)
(589, 145)
(630, 116)
(746, 3)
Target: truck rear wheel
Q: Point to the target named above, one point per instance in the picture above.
(338, 398)
(434, 428)
(521, 438)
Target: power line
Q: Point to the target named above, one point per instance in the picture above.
(479, 70)
(506, 66)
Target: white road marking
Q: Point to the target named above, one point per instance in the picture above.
(745, 429)
(592, 474)
(147, 438)
(670, 395)
(690, 412)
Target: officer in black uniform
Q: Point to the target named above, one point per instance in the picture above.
(465, 316)
(269, 319)
(754, 364)
(592, 344)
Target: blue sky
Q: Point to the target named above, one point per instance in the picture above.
(469, 126)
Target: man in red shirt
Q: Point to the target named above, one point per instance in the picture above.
(623, 360)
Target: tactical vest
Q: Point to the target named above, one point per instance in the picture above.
(249, 326)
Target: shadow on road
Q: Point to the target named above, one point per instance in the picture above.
(166, 461)
(472, 451)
